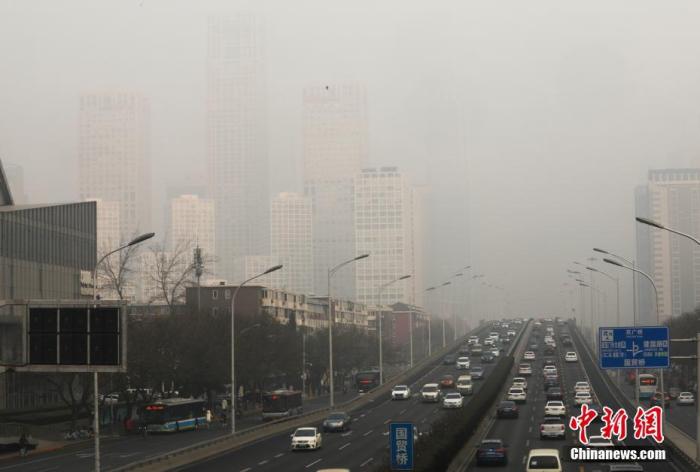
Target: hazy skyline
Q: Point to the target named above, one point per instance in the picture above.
(532, 126)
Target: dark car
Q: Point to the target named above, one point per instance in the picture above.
(337, 421)
(487, 358)
(555, 393)
(566, 341)
(534, 347)
(549, 361)
(491, 451)
(477, 372)
(447, 381)
(655, 400)
(448, 359)
(476, 350)
(551, 381)
(549, 351)
(507, 409)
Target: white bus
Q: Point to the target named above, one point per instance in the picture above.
(647, 386)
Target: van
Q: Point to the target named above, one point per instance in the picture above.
(464, 384)
(543, 460)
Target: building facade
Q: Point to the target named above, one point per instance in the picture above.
(114, 156)
(46, 252)
(335, 149)
(236, 138)
(672, 197)
(193, 224)
(291, 242)
(385, 228)
(301, 311)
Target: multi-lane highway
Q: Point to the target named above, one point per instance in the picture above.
(522, 434)
(362, 448)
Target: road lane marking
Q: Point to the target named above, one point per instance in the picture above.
(368, 432)
(402, 411)
(313, 463)
(527, 443)
(346, 434)
(263, 462)
(343, 446)
(277, 456)
(367, 462)
(247, 469)
(524, 459)
(529, 430)
(387, 421)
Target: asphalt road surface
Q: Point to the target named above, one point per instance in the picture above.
(522, 434)
(362, 448)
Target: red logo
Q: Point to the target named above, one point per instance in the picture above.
(582, 421)
(649, 423)
(615, 425)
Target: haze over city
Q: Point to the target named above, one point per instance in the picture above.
(529, 127)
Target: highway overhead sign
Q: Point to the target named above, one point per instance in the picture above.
(633, 347)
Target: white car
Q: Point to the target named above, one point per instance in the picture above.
(685, 398)
(400, 392)
(495, 352)
(555, 408)
(430, 392)
(488, 342)
(599, 441)
(571, 357)
(529, 356)
(582, 387)
(306, 438)
(520, 382)
(583, 397)
(543, 460)
(111, 399)
(473, 340)
(453, 400)
(511, 333)
(464, 384)
(525, 369)
(517, 395)
(463, 363)
(549, 370)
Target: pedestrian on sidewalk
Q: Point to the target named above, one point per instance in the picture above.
(23, 445)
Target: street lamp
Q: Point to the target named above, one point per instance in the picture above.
(379, 324)
(658, 315)
(96, 421)
(649, 222)
(634, 279)
(331, 273)
(233, 342)
(617, 283)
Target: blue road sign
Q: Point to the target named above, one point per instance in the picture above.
(633, 347)
(401, 442)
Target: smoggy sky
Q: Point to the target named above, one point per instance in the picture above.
(531, 122)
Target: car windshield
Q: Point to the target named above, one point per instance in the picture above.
(543, 462)
(401, 387)
(507, 404)
(555, 404)
(453, 396)
(337, 416)
(305, 432)
(430, 389)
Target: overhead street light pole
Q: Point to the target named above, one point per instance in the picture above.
(331, 273)
(95, 387)
(233, 342)
(379, 324)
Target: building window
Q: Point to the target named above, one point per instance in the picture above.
(214, 294)
(227, 294)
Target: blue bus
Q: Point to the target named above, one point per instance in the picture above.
(175, 414)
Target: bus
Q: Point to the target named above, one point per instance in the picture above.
(366, 380)
(281, 404)
(647, 386)
(175, 414)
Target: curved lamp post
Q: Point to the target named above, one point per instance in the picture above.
(379, 324)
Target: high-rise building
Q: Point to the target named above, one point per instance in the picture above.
(250, 266)
(109, 235)
(672, 198)
(384, 227)
(192, 224)
(113, 156)
(236, 141)
(291, 242)
(335, 149)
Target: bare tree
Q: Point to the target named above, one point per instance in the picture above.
(116, 271)
(75, 392)
(173, 271)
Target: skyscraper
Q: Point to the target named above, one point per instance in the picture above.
(673, 198)
(386, 227)
(335, 148)
(109, 235)
(236, 141)
(15, 175)
(291, 242)
(192, 224)
(114, 158)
